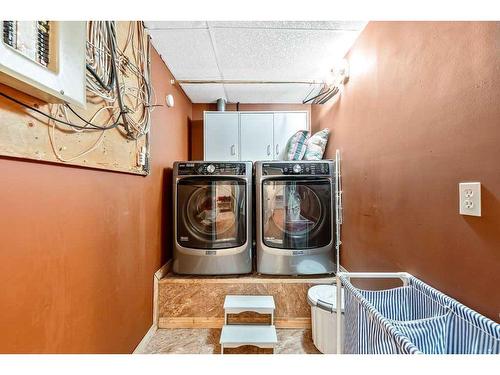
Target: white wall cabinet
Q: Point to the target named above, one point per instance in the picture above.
(221, 136)
(250, 135)
(256, 136)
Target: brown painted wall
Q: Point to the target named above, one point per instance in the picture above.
(196, 151)
(79, 247)
(420, 114)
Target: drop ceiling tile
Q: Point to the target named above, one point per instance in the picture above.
(307, 25)
(268, 93)
(252, 50)
(187, 52)
(206, 93)
(280, 54)
(163, 25)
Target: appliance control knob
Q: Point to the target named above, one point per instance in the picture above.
(297, 168)
(211, 168)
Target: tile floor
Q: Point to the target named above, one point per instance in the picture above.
(206, 341)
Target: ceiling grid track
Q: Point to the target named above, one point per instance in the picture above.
(279, 28)
(217, 62)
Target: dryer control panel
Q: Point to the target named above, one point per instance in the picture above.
(295, 168)
(212, 169)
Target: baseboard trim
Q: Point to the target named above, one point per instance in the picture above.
(202, 322)
(162, 272)
(140, 348)
(154, 327)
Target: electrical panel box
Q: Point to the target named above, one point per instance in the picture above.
(45, 59)
(31, 38)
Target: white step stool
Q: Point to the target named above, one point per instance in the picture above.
(263, 336)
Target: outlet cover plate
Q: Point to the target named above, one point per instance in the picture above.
(469, 198)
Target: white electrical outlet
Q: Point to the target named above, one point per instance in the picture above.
(470, 198)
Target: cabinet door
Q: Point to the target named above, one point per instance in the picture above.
(286, 124)
(221, 135)
(256, 136)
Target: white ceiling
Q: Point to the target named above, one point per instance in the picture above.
(252, 50)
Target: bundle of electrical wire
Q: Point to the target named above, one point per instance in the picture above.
(138, 98)
(108, 66)
(98, 62)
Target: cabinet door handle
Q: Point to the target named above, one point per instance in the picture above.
(268, 150)
(233, 150)
(277, 149)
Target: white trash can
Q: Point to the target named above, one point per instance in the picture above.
(323, 301)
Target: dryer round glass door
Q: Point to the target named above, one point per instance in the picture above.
(296, 214)
(211, 213)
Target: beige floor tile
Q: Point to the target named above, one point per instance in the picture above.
(206, 341)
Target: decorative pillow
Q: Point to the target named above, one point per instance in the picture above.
(316, 144)
(296, 146)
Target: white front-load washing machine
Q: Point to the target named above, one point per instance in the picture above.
(212, 217)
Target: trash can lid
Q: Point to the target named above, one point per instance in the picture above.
(327, 295)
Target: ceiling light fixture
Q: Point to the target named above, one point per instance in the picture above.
(338, 75)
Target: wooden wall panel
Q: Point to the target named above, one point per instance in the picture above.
(25, 134)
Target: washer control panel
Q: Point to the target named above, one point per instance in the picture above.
(211, 169)
(295, 168)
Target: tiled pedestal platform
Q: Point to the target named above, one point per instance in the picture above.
(197, 302)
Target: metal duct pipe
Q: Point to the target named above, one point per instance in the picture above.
(221, 104)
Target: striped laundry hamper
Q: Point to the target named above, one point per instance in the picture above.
(412, 319)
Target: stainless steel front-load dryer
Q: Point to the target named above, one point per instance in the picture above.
(295, 217)
(212, 217)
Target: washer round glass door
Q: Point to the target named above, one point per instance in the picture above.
(296, 213)
(211, 213)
